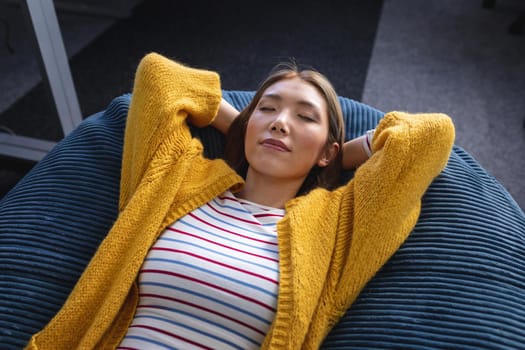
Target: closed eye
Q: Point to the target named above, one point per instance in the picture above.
(306, 118)
(266, 109)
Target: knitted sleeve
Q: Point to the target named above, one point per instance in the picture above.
(384, 198)
(409, 151)
(165, 93)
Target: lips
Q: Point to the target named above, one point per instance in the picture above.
(275, 144)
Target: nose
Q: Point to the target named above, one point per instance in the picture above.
(279, 124)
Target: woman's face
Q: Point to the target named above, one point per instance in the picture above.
(287, 132)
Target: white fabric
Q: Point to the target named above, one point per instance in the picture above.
(211, 280)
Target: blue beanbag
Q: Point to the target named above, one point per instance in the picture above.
(458, 282)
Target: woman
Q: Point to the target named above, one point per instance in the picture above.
(270, 255)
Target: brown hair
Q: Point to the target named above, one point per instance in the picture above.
(326, 177)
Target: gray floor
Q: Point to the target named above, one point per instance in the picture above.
(448, 56)
(456, 57)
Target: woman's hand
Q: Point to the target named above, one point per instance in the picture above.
(225, 116)
(357, 151)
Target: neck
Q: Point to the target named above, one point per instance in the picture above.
(269, 191)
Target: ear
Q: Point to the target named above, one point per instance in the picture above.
(328, 154)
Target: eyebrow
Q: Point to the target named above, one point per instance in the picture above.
(300, 102)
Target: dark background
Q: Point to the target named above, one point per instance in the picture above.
(240, 42)
(450, 56)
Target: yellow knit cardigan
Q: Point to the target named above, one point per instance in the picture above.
(330, 242)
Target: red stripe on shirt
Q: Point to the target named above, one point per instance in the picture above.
(229, 231)
(215, 262)
(149, 295)
(232, 216)
(171, 335)
(220, 244)
(211, 285)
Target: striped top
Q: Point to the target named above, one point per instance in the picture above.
(210, 281)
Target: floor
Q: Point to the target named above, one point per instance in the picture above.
(445, 56)
(458, 58)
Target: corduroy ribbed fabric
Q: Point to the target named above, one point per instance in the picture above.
(330, 243)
